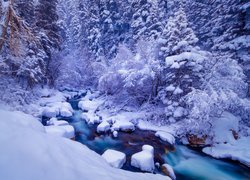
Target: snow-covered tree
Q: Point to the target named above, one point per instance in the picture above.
(183, 68)
(134, 75)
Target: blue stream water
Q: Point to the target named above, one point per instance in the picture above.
(187, 163)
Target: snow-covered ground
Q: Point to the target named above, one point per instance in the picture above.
(27, 152)
(225, 142)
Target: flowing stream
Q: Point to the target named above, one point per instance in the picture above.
(187, 163)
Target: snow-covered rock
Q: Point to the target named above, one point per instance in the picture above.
(70, 131)
(103, 127)
(115, 134)
(90, 117)
(115, 158)
(51, 112)
(165, 136)
(87, 105)
(63, 109)
(239, 150)
(56, 122)
(144, 160)
(60, 123)
(170, 171)
(123, 126)
(29, 153)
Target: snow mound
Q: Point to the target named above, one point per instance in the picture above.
(56, 122)
(90, 118)
(170, 171)
(103, 127)
(164, 136)
(21, 119)
(87, 105)
(123, 126)
(223, 128)
(29, 153)
(115, 158)
(144, 159)
(63, 109)
(238, 151)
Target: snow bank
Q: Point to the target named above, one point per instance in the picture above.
(239, 150)
(29, 153)
(115, 158)
(144, 159)
(22, 120)
(165, 137)
(223, 128)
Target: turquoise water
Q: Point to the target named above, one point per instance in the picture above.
(187, 163)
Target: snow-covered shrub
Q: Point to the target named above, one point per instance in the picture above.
(73, 70)
(223, 89)
(135, 75)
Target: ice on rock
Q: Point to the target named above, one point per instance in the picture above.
(103, 127)
(116, 159)
(144, 160)
(170, 171)
(165, 136)
(123, 126)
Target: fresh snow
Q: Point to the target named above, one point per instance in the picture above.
(239, 150)
(144, 160)
(90, 117)
(66, 131)
(115, 158)
(54, 109)
(123, 126)
(223, 127)
(164, 136)
(103, 127)
(29, 153)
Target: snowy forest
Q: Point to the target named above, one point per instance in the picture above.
(124, 89)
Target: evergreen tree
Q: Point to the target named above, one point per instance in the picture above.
(183, 64)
